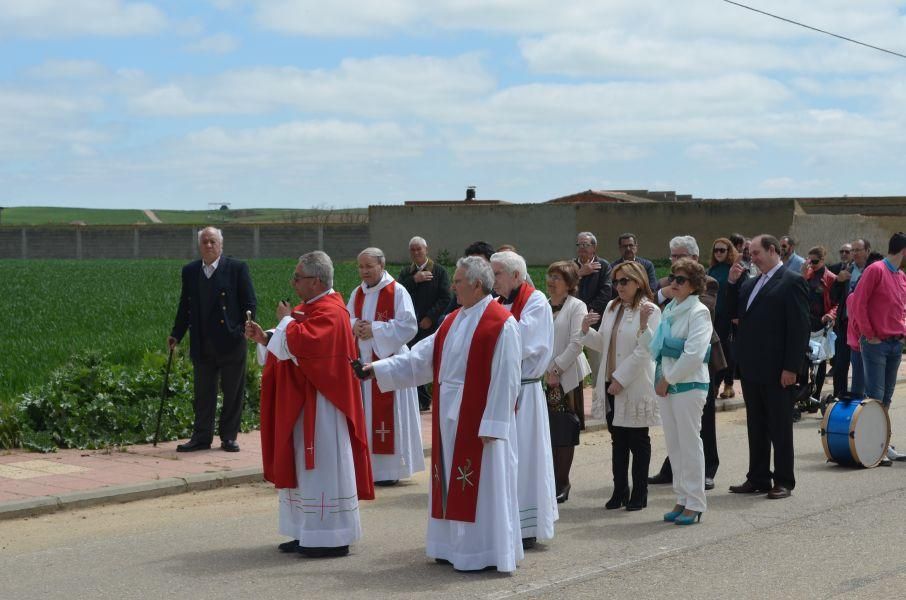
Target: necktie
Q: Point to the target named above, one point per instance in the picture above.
(758, 285)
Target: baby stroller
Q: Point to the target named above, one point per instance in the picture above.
(806, 395)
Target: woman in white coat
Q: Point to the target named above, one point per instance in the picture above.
(681, 347)
(567, 369)
(626, 380)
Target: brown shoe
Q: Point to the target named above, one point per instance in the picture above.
(747, 487)
(778, 491)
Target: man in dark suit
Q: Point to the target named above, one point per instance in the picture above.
(429, 286)
(629, 251)
(595, 290)
(772, 341)
(216, 293)
(685, 246)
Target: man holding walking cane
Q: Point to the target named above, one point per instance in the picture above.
(217, 293)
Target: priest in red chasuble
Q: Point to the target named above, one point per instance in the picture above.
(313, 439)
(473, 361)
(383, 322)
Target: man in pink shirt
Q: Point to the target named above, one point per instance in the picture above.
(878, 308)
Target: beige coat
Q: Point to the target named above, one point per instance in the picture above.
(568, 357)
(636, 405)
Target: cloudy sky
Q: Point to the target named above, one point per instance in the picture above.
(174, 104)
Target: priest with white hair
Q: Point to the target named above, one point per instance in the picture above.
(473, 361)
(383, 321)
(530, 308)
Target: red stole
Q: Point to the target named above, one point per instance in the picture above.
(522, 296)
(382, 409)
(465, 474)
(320, 337)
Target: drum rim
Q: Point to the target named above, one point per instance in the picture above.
(824, 422)
(852, 429)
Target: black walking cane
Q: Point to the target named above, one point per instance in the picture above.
(163, 395)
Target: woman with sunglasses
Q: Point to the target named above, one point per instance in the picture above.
(723, 256)
(681, 348)
(626, 380)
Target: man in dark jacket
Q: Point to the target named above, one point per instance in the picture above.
(771, 347)
(429, 286)
(216, 294)
(629, 251)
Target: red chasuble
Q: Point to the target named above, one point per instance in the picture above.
(465, 475)
(320, 337)
(522, 296)
(382, 412)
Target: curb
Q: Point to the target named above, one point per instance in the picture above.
(127, 493)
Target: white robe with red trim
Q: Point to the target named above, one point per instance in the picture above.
(494, 539)
(537, 488)
(389, 339)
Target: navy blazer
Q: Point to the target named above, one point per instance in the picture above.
(773, 332)
(231, 294)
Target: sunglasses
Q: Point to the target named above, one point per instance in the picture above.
(815, 261)
(622, 281)
(720, 250)
(845, 251)
(679, 279)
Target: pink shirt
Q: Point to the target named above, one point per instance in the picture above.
(878, 307)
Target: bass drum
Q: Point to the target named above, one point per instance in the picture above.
(855, 432)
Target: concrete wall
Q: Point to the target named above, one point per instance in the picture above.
(656, 223)
(542, 233)
(832, 231)
(341, 241)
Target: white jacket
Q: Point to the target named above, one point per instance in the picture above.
(568, 357)
(636, 405)
(693, 325)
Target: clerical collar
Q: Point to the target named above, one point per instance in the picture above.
(513, 293)
(319, 296)
(367, 287)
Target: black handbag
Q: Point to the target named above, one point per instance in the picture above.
(564, 423)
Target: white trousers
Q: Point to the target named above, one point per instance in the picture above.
(681, 415)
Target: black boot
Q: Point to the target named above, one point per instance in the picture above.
(641, 457)
(620, 459)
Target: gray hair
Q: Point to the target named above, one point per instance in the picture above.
(318, 264)
(418, 240)
(589, 235)
(687, 242)
(512, 262)
(375, 253)
(209, 228)
(477, 269)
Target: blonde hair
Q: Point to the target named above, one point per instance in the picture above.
(635, 272)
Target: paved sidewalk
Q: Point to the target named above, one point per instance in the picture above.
(32, 483)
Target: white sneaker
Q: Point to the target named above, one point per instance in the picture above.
(892, 454)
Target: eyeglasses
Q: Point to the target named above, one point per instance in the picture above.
(845, 251)
(679, 279)
(720, 250)
(678, 256)
(583, 245)
(554, 278)
(622, 281)
(301, 277)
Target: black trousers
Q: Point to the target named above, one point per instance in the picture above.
(227, 369)
(626, 441)
(841, 364)
(708, 434)
(769, 420)
(725, 331)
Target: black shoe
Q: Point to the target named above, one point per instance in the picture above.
(387, 482)
(885, 462)
(709, 483)
(659, 479)
(487, 568)
(230, 445)
(442, 561)
(619, 498)
(193, 446)
(322, 552)
(291, 546)
(638, 500)
(424, 406)
(747, 487)
(563, 496)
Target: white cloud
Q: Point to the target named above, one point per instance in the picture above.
(67, 18)
(219, 43)
(374, 87)
(68, 69)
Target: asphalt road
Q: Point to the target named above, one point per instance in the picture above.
(840, 535)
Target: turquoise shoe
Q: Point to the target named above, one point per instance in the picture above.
(671, 516)
(687, 520)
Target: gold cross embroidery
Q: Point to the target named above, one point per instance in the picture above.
(465, 473)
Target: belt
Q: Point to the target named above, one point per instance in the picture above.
(530, 381)
(679, 388)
